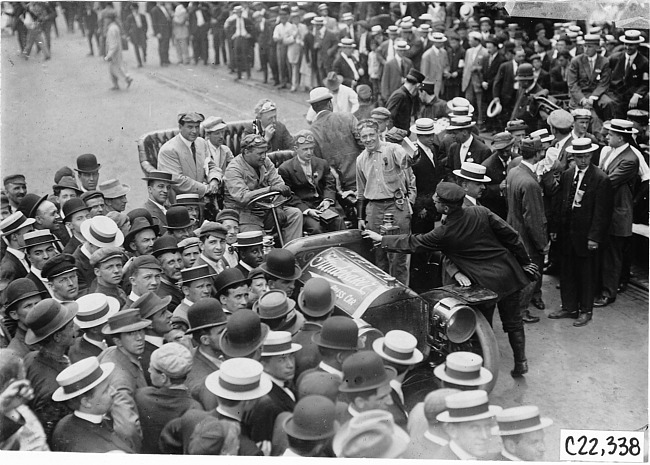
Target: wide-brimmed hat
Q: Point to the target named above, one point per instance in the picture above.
(371, 434)
(273, 304)
(156, 175)
(364, 371)
(206, 313)
(279, 343)
(249, 239)
(14, 222)
(313, 419)
(19, 290)
(47, 317)
(213, 123)
(73, 206)
(239, 379)
(178, 217)
(622, 126)
(543, 135)
(95, 309)
(464, 369)
(38, 237)
(423, 126)
(398, 347)
(67, 182)
(244, 334)
(230, 277)
(281, 264)
(102, 231)
(317, 298)
(113, 188)
(632, 36)
(494, 108)
(319, 94)
(502, 140)
(139, 225)
(338, 332)
(333, 80)
(460, 122)
(149, 304)
(125, 321)
(473, 172)
(467, 406)
(522, 419)
(582, 145)
(194, 273)
(164, 244)
(87, 163)
(81, 377)
(58, 265)
(30, 203)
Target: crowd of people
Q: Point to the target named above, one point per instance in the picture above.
(183, 327)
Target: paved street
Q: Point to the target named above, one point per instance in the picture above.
(584, 378)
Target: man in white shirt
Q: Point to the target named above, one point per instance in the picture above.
(344, 99)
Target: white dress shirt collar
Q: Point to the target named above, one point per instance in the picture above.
(91, 417)
(508, 455)
(456, 449)
(435, 439)
(155, 340)
(186, 142)
(528, 165)
(330, 369)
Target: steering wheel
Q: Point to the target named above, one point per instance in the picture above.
(268, 201)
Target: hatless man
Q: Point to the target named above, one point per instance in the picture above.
(522, 433)
(158, 186)
(14, 262)
(39, 247)
(94, 311)
(168, 254)
(16, 189)
(107, 264)
(231, 288)
(21, 296)
(196, 284)
(61, 275)
(402, 101)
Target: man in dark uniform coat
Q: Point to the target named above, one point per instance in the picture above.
(161, 22)
(496, 164)
(402, 101)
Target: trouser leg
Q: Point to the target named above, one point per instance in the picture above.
(293, 228)
(611, 265)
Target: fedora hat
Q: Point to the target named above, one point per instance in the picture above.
(622, 126)
(460, 103)
(632, 36)
(125, 321)
(95, 309)
(525, 72)
(102, 231)
(230, 277)
(279, 343)
(149, 304)
(371, 434)
(187, 199)
(249, 239)
(244, 334)
(58, 265)
(138, 225)
(206, 313)
(523, 419)
(19, 290)
(582, 145)
(502, 140)
(473, 172)
(87, 163)
(14, 222)
(313, 419)
(194, 273)
(317, 298)
(319, 94)
(281, 264)
(213, 123)
(47, 317)
(398, 347)
(423, 126)
(364, 371)
(80, 378)
(463, 368)
(239, 379)
(273, 304)
(156, 175)
(113, 189)
(73, 206)
(467, 406)
(30, 203)
(338, 332)
(67, 182)
(460, 122)
(164, 244)
(333, 80)
(38, 237)
(178, 217)
(494, 108)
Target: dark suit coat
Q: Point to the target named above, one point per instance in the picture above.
(622, 172)
(478, 149)
(583, 83)
(558, 85)
(18, 346)
(483, 247)
(393, 76)
(246, 445)
(82, 349)
(157, 407)
(85, 271)
(327, 47)
(400, 104)
(414, 53)
(492, 198)
(343, 68)
(281, 140)
(42, 288)
(306, 195)
(195, 30)
(260, 416)
(145, 360)
(308, 357)
(165, 289)
(73, 434)
(544, 79)
(156, 212)
(72, 245)
(11, 269)
(161, 24)
(634, 82)
(503, 86)
(427, 176)
(490, 71)
(576, 226)
(135, 33)
(201, 368)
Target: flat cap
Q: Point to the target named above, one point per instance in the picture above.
(450, 192)
(531, 144)
(105, 253)
(213, 123)
(380, 113)
(211, 228)
(227, 214)
(58, 265)
(189, 242)
(14, 179)
(172, 359)
(190, 117)
(560, 119)
(145, 261)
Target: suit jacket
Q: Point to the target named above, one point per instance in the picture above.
(343, 68)
(327, 47)
(195, 29)
(544, 79)
(72, 245)
(503, 87)
(472, 72)
(18, 346)
(11, 269)
(427, 176)
(492, 197)
(478, 150)
(393, 76)
(85, 271)
(433, 66)
(281, 140)
(145, 360)
(156, 212)
(265, 37)
(400, 104)
(308, 357)
(166, 289)
(558, 83)
(73, 434)
(490, 71)
(633, 82)
(583, 83)
(82, 349)
(135, 33)
(483, 247)
(414, 53)
(176, 157)
(622, 172)
(526, 208)
(590, 221)
(161, 24)
(157, 407)
(260, 416)
(305, 194)
(201, 368)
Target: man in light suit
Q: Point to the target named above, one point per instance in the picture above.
(472, 73)
(184, 155)
(395, 70)
(435, 63)
(312, 183)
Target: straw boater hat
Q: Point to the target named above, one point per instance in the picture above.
(47, 317)
(543, 135)
(398, 347)
(423, 126)
(371, 434)
(102, 231)
(95, 309)
(14, 222)
(463, 368)
(632, 36)
(473, 172)
(80, 378)
(460, 122)
(239, 379)
(279, 343)
(582, 145)
(467, 406)
(494, 108)
(249, 239)
(519, 420)
(622, 126)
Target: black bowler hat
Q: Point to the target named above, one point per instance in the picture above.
(229, 278)
(338, 332)
(73, 206)
(19, 290)
(415, 76)
(30, 203)
(244, 334)
(164, 244)
(178, 217)
(281, 264)
(87, 163)
(364, 371)
(206, 313)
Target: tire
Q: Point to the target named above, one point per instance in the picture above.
(490, 349)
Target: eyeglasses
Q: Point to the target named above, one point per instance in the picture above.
(303, 139)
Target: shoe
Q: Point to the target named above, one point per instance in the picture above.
(521, 368)
(622, 288)
(582, 320)
(563, 314)
(538, 303)
(90, 54)
(128, 82)
(528, 318)
(604, 301)
(517, 341)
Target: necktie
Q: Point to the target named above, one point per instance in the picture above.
(592, 61)
(628, 63)
(193, 148)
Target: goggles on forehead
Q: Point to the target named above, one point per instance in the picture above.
(304, 139)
